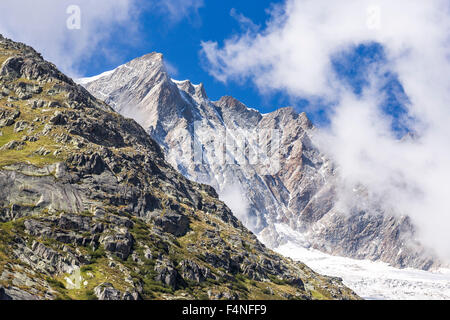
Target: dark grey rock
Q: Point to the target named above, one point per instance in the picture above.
(168, 275)
(4, 295)
(174, 223)
(106, 291)
(192, 271)
(120, 244)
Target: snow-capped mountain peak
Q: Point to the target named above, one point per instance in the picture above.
(265, 167)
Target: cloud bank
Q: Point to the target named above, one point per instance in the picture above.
(409, 176)
(44, 25)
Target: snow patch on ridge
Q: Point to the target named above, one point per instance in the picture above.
(180, 82)
(87, 80)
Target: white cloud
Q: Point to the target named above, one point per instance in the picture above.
(411, 177)
(43, 25)
(234, 197)
(176, 10)
(245, 23)
(293, 53)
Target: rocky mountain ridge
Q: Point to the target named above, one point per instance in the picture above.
(90, 209)
(295, 186)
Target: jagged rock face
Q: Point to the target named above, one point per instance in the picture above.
(89, 208)
(149, 100)
(295, 187)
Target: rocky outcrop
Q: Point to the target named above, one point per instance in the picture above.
(4, 295)
(106, 291)
(120, 244)
(15, 294)
(7, 118)
(168, 275)
(90, 209)
(173, 223)
(193, 272)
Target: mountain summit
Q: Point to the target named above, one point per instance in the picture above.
(89, 208)
(265, 167)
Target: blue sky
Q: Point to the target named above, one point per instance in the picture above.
(353, 66)
(113, 33)
(180, 42)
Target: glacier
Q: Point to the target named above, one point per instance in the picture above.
(371, 280)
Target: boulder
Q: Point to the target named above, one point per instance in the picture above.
(106, 291)
(131, 296)
(168, 275)
(120, 244)
(58, 119)
(173, 223)
(190, 270)
(4, 295)
(13, 145)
